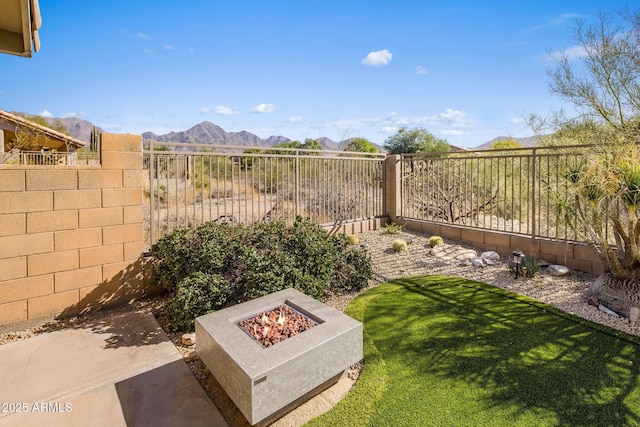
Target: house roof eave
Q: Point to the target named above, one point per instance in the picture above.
(68, 140)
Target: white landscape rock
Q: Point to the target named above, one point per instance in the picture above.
(558, 270)
(477, 262)
(490, 255)
(466, 255)
(634, 315)
(453, 253)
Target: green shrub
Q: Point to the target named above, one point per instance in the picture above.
(198, 294)
(393, 228)
(435, 241)
(352, 271)
(219, 265)
(185, 251)
(399, 245)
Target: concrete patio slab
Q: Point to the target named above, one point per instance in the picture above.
(116, 371)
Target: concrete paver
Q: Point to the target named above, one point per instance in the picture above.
(115, 371)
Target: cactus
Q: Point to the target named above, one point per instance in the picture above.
(399, 245)
(530, 266)
(393, 228)
(353, 239)
(435, 241)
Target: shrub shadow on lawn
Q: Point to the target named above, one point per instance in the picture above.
(518, 357)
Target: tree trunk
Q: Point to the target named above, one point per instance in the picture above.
(617, 294)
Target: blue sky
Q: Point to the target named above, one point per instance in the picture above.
(466, 70)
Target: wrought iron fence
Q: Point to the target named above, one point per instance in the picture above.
(193, 183)
(519, 191)
(50, 158)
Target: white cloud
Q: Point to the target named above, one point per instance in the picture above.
(111, 114)
(141, 36)
(377, 58)
(72, 114)
(389, 129)
(294, 119)
(449, 117)
(191, 50)
(168, 47)
(452, 132)
(420, 70)
(575, 52)
(114, 127)
(204, 110)
(517, 121)
(557, 20)
(148, 52)
(264, 108)
(47, 114)
(455, 117)
(223, 110)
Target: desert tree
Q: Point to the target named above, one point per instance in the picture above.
(360, 145)
(416, 140)
(505, 144)
(600, 76)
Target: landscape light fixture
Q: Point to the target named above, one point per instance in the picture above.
(517, 257)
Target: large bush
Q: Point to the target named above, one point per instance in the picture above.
(219, 265)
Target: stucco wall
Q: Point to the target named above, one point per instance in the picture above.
(71, 237)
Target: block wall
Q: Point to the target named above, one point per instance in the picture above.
(71, 237)
(577, 256)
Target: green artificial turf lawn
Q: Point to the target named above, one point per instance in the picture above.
(445, 351)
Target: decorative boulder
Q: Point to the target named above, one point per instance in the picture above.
(558, 270)
(490, 255)
(477, 262)
(466, 254)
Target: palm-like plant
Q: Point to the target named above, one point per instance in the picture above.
(605, 189)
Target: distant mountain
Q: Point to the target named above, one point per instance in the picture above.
(208, 133)
(328, 144)
(78, 128)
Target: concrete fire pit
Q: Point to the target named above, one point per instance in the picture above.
(267, 382)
